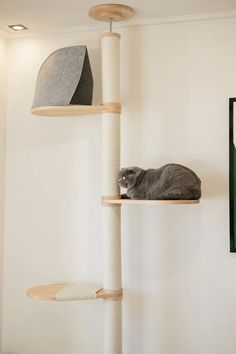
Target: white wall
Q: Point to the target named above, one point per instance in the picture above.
(178, 274)
(3, 69)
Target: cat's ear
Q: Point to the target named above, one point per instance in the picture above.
(131, 171)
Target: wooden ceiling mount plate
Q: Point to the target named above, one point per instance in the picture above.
(108, 12)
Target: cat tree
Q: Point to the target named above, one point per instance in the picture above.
(111, 289)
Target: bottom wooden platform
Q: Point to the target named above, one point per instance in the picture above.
(49, 292)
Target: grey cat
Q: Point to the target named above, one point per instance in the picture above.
(170, 181)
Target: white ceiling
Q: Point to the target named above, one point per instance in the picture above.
(57, 15)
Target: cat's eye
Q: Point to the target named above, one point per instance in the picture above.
(123, 177)
(131, 172)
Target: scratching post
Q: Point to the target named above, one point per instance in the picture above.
(111, 214)
(111, 161)
(112, 275)
(52, 102)
(112, 327)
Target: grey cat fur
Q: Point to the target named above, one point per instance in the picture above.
(171, 181)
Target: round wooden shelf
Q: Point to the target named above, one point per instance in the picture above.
(108, 12)
(49, 292)
(45, 292)
(118, 201)
(75, 110)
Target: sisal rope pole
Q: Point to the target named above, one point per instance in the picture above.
(111, 161)
(113, 327)
(111, 214)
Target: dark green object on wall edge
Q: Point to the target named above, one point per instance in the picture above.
(232, 176)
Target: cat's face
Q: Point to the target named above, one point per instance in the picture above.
(128, 176)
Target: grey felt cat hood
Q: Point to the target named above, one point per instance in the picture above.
(65, 78)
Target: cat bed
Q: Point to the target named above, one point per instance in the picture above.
(65, 78)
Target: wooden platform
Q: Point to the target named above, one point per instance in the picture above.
(75, 110)
(118, 201)
(49, 292)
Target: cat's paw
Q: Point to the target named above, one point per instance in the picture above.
(124, 196)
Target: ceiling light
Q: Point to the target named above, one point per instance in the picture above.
(18, 27)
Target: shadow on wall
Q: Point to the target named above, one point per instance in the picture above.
(95, 62)
(214, 184)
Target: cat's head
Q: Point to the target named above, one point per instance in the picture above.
(128, 176)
